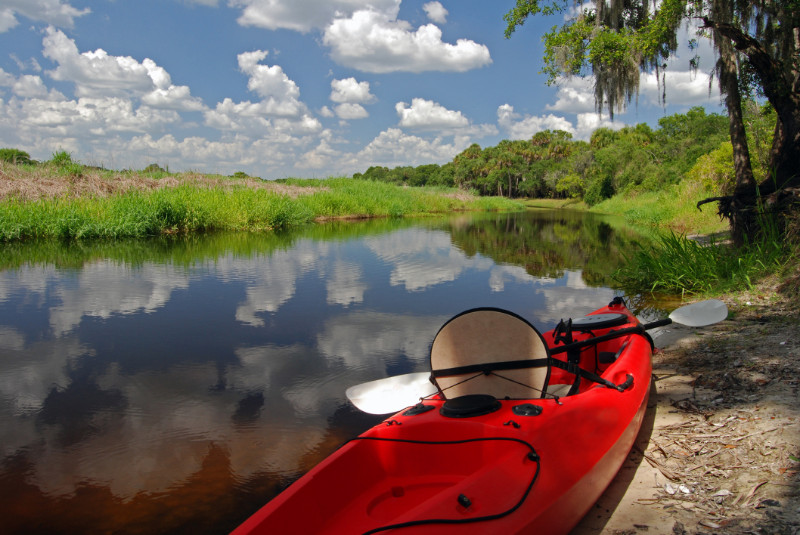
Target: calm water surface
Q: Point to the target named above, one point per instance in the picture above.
(174, 386)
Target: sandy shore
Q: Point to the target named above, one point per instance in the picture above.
(719, 450)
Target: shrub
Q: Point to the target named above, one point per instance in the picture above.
(154, 168)
(15, 156)
(570, 185)
(715, 170)
(599, 190)
(679, 265)
(61, 159)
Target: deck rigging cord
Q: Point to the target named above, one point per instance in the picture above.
(531, 455)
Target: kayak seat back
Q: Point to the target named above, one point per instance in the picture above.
(489, 351)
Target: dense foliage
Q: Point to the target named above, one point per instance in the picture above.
(756, 44)
(15, 156)
(632, 159)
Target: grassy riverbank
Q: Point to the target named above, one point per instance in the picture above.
(48, 201)
(674, 208)
(691, 254)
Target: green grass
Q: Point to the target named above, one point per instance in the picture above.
(679, 265)
(188, 209)
(674, 208)
(674, 264)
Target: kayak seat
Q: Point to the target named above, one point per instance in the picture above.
(489, 351)
(558, 390)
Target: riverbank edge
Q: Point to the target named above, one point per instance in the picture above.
(684, 476)
(94, 205)
(719, 451)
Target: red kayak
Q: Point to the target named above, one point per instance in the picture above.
(522, 435)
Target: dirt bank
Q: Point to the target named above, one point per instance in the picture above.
(719, 450)
(37, 183)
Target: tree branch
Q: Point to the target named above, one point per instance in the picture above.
(769, 70)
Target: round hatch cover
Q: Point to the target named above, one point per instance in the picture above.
(469, 405)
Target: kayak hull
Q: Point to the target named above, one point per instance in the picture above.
(528, 466)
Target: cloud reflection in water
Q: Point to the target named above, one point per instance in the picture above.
(126, 388)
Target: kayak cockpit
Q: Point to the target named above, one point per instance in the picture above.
(496, 353)
(463, 458)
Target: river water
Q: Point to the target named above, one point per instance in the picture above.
(175, 385)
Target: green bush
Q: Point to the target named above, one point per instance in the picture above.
(61, 159)
(15, 156)
(570, 185)
(599, 190)
(715, 170)
(679, 265)
(154, 168)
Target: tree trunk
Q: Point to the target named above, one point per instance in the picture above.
(781, 86)
(741, 213)
(785, 157)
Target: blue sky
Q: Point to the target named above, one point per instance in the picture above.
(281, 88)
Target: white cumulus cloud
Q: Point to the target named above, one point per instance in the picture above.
(323, 156)
(371, 41)
(267, 81)
(98, 74)
(304, 15)
(574, 95)
(519, 127)
(393, 147)
(350, 110)
(591, 121)
(351, 91)
(279, 110)
(95, 73)
(681, 88)
(54, 12)
(428, 115)
(436, 12)
(351, 94)
(30, 86)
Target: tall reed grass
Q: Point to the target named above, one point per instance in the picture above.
(189, 208)
(676, 264)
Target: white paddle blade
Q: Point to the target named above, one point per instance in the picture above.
(391, 394)
(700, 314)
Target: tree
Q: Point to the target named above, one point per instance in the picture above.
(154, 168)
(468, 166)
(15, 156)
(757, 42)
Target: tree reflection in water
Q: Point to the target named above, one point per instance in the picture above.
(175, 385)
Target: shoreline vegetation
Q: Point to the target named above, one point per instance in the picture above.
(740, 376)
(65, 200)
(70, 202)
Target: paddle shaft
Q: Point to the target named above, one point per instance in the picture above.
(367, 400)
(639, 329)
(488, 368)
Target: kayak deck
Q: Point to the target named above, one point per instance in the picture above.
(528, 465)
